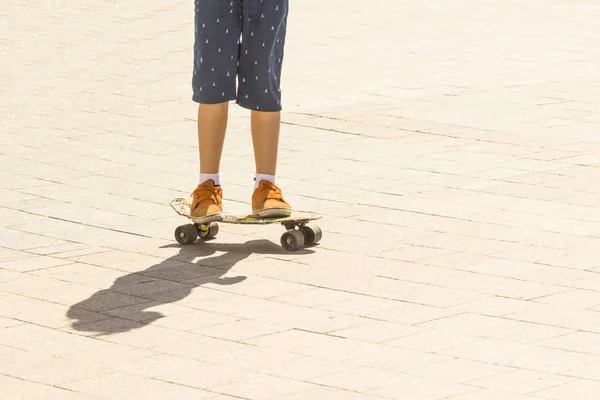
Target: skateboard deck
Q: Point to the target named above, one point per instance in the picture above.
(300, 232)
(182, 207)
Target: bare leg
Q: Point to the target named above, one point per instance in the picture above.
(212, 125)
(265, 138)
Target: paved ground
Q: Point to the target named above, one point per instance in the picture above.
(453, 147)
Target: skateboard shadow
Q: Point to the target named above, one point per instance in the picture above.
(169, 281)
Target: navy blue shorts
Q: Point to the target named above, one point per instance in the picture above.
(243, 41)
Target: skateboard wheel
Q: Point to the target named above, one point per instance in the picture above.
(186, 234)
(208, 231)
(312, 234)
(292, 240)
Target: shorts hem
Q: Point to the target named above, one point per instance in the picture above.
(258, 107)
(197, 98)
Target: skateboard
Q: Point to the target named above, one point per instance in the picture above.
(300, 232)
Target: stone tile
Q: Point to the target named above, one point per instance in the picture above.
(24, 360)
(50, 370)
(590, 371)
(377, 331)
(458, 371)
(495, 327)
(253, 358)
(260, 310)
(116, 259)
(8, 322)
(581, 389)
(314, 297)
(327, 393)
(130, 333)
(19, 335)
(496, 306)
(388, 310)
(303, 368)
(361, 379)
(434, 341)
(581, 342)
(33, 263)
(7, 276)
(106, 354)
(523, 356)
(508, 268)
(199, 347)
(14, 388)
(66, 294)
(192, 321)
(567, 277)
(266, 288)
(414, 253)
(411, 388)
(46, 341)
(521, 381)
(120, 385)
(489, 394)
(18, 240)
(526, 290)
(83, 274)
(560, 316)
(7, 255)
(181, 371)
(325, 323)
(263, 387)
(239, 330)
(22, 284)
(45, 313)
(481, 280)
(414, 292)
(67, 250)
(588, 283)
(398, 359)
(315, 344)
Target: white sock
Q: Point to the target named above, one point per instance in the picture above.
(215, 177)
(262, 177)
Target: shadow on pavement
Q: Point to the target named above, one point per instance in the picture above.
(166, 282)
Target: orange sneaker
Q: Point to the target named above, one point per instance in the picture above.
(207, 203)
(267, 201)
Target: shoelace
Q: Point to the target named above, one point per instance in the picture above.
(204, 192)
(271, 192)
